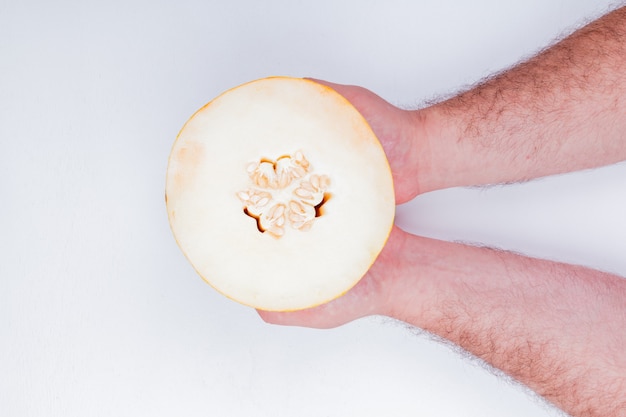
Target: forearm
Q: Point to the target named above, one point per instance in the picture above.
(560, 329)
(563, 110)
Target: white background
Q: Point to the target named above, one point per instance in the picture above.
(101, 315)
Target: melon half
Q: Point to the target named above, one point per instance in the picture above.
(279, 194)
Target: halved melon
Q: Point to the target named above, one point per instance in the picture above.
(279, 194)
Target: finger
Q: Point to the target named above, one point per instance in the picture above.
(358, 96)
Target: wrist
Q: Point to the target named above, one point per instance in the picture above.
(418, 283)
(440, 160)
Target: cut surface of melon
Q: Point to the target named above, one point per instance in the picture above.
(279, 194)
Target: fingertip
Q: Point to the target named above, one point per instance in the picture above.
(280, 318)
(267, 316)
(312, 318)
(325, 83)
(317, 80)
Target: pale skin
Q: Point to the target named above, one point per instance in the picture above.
(559, 329)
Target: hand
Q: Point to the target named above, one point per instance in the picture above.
(400, 132)
(397, 131)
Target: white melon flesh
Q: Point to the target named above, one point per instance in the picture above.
(279, 194)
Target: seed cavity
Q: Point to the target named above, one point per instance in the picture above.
(284, 193)
(319, 209)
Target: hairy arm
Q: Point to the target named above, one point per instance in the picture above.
(557, 328)
(560, 111)
(560, 329)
